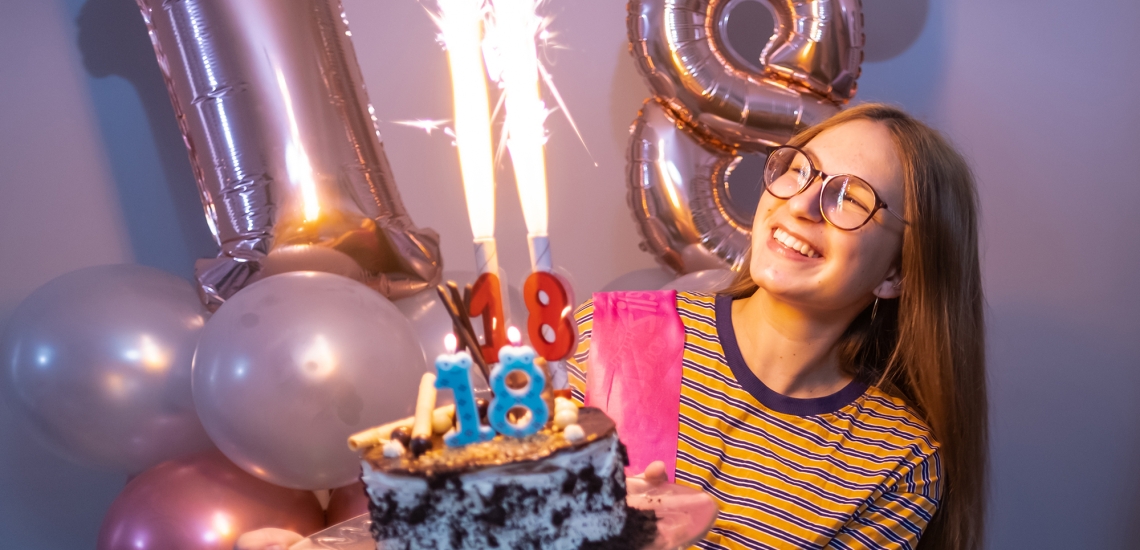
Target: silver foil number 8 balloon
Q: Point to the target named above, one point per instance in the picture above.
(710, 107)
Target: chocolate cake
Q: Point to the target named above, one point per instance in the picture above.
(552, 490)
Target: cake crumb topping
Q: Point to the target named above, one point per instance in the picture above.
(441, 459)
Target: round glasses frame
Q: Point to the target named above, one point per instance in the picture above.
(816, 173)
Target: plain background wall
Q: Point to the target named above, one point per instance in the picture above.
(1038, 94)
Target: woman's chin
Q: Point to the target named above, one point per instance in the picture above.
(785, 286)
(781, 271)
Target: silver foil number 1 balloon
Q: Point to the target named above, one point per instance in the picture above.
(708, 108)
(283, 143)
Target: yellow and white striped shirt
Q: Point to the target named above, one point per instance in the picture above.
(855, 469)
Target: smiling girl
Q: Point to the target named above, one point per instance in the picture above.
(834, 396)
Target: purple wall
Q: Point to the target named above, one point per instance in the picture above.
(1037, 94)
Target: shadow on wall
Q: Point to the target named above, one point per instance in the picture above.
(1058, 394)
(157, 191)
(904, 61)
(47, 502)
(892, 27)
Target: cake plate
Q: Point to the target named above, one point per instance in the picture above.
(684, 515)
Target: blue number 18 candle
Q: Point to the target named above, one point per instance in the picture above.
(517, 358)
(454, 373)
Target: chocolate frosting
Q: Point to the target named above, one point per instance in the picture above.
(443, 460)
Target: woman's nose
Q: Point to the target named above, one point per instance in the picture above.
(806, 203)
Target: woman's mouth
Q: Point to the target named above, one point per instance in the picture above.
(788, 241)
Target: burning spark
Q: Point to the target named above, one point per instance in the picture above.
(425, 124)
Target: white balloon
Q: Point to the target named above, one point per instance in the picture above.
(97, 366)
(292, 365)
(640, 279)
(709, 280)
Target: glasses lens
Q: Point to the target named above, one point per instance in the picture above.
(848, 201)
(786, 172)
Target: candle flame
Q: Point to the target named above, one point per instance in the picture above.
(450, 343)
(514, 336)
(460, 24)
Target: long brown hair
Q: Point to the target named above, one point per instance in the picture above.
(928, 346)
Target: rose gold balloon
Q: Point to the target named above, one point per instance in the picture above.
(202, 502)
(710, 106)
(818, 45)
(809, 65)
(284, 145)
(346, 503)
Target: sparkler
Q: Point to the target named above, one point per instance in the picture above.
(512, 40)
(509, 47)
(460, 23)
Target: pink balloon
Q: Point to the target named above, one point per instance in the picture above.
(202, 502)
(346, 503)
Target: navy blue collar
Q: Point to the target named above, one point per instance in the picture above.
(765, 395)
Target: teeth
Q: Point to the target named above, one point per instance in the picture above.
(784, 238)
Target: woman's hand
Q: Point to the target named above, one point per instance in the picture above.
(267, 539)
(654, 474)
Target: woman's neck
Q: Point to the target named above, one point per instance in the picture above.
(792, 351)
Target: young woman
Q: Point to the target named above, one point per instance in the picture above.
(834, 396)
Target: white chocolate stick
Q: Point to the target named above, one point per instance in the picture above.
(425, 404)
(378, 435)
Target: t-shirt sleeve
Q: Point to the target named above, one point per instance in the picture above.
(577, 364)
(897, 517)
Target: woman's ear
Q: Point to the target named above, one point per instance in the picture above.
(891, 287)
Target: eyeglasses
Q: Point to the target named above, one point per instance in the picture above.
(847, 202)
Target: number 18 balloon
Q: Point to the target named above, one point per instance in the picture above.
(709, 107)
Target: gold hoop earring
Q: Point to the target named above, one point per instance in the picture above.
(874, 309)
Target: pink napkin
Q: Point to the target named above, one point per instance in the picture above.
(634, 373)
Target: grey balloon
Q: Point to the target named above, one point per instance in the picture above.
(709, 280)
(292, 365)
(96, 363)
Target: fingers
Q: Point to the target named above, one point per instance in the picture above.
(655, 474)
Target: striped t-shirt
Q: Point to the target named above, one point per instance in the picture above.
(855, 469)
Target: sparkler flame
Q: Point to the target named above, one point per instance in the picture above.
(512, 31)
(512, 39)
(460, 24)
